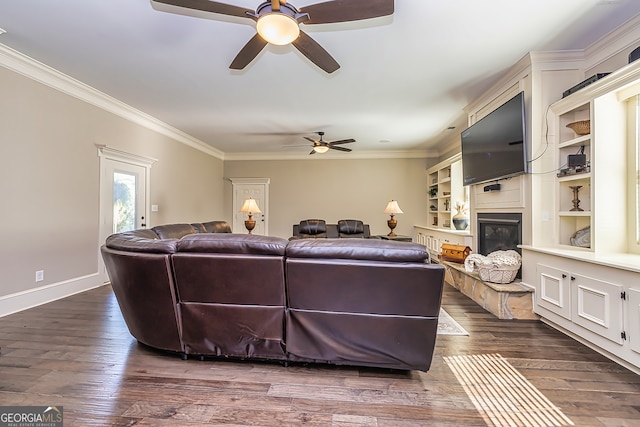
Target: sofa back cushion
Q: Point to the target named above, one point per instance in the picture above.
(231, 243)
(217, 227)
(310, 228)
(358, 249)
(173, 231)
(353, 228)
(212, 227)
(350, 226)
(141, 241)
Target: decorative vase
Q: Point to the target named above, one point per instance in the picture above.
(460, 221)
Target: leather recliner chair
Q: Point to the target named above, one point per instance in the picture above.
(353, 228)
(314, 229)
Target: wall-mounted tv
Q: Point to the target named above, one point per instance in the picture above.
(494, 147)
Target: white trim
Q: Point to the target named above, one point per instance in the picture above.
(105, 152)
(250, 180)
(123, 156)
(28, 67)
(355, 155)
(30, 298)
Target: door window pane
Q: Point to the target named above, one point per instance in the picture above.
(124, 202)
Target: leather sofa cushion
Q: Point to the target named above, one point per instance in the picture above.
(361, 249)
(312, 227)
(217, 227)
(141, 241)
(173, 231)
(230, 243)
(350, 226)
(212, 227)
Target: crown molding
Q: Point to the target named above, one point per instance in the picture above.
(616, 41)
(30, 68)
(358, 155)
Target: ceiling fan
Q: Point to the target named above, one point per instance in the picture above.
(278, 22)
(321, 146)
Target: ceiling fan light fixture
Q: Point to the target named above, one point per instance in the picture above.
(320, 149)
(278, 28)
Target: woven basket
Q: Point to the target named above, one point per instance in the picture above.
(583, 127)
(504, 274)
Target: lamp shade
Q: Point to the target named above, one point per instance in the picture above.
(392, 208)
(250, 206)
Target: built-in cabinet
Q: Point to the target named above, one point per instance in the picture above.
(433, 239)
(590, 179)
(444, 191)
(633, 294)
(574, 189)
(585, 280)
(598, 304)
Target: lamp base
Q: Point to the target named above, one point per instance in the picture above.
(250, 224)
(392, 223)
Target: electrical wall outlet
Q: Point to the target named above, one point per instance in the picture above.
(39, 275)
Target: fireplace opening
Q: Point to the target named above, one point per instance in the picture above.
(499, 232)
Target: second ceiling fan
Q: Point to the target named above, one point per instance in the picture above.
(278, 22)
(322, 146)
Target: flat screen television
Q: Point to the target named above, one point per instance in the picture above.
(494, 147)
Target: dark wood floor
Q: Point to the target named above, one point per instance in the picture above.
(77, 353)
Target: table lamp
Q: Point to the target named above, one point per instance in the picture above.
(392, 209)
(250, 207)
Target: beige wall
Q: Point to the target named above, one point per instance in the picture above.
(50, 181)
(337, 189)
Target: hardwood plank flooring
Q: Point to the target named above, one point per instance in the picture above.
(77, 353)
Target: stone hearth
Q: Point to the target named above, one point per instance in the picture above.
(506, 301)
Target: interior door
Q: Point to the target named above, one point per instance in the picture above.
(242, 190)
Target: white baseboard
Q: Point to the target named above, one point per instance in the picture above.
(20, 301)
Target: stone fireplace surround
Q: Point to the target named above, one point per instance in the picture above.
(495, 231)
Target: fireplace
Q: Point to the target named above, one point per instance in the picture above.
(499, 232)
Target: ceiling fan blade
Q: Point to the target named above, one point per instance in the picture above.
(248, 52)
(312, 152)
(315, 53)
(342, 141)
(208, 6)
(340, 148)
(347, 10)
(311, 139)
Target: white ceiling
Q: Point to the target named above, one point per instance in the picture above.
(403, 79)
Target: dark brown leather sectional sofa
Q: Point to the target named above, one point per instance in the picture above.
(195, 291)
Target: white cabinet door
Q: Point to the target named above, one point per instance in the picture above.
(597, 306)
(633, 331)
(554, 291)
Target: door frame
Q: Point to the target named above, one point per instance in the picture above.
(109, 153)
(235, 183)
